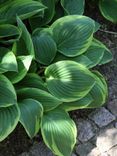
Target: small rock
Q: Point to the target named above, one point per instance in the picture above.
(39, 149)
(112, 106)
(87, 149)
(116, 125)
(106, 139)
(113, 151)
(85, 130)
(73, 154)
(102, 117)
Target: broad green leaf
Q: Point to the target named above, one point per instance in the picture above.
(45, 48)
(25, 40)
(7, 60)
(21, 8)
(48, 101)
(9, 33)
(68, 80)
(108, 9)
(32, 80)
(47, 17)
(99, 92)
(72, 7)
(73, 34)
(24, 63)
(79, 104)
(59, 132)
(94, 53)
(7, 92)
(82, 59)
(31, 112)
(107, 56)
(9, 117)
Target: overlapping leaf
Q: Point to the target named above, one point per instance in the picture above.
(7, 60)
(9, 117)
(25, 45)
(109, 9)
(38, 21)
(73, 6)
(68, 80)
(21, 8)
(24, 63)
(7, 92)
(31, 112)
(32, 80)
(45, 47)
(73, 34)
(59, 132)
(48, 101)
(9, 33)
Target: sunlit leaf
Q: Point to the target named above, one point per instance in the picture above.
(24, 63)
(68, 80)
(59, 132)
(73, 34)
(7, 60)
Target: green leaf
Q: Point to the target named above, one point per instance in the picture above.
(47, 17)
(45, 47)
(108, 9)
(32, 80)
(7, 92)
(26, 39)
(31, 112)
(99, 92)
(82, 59)
(59, 132)
(94, 53)
(24, 63)
(9, 117)
(21, 8)
(9, 33)
(72, 7)
(79, 104)
(7, 60)
(73, 34)
(68, 80)
(107, 56)
(48, 101)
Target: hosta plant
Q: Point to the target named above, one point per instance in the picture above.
(47, 70)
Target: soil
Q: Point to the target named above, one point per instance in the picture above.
(18, 141)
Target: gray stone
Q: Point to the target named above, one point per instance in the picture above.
(85, 130)
(112, 106)
(116, 125)
(113, 151)
(39, 149)
(102, 117)
(73, 154)
(87, 149)
(106, 139)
